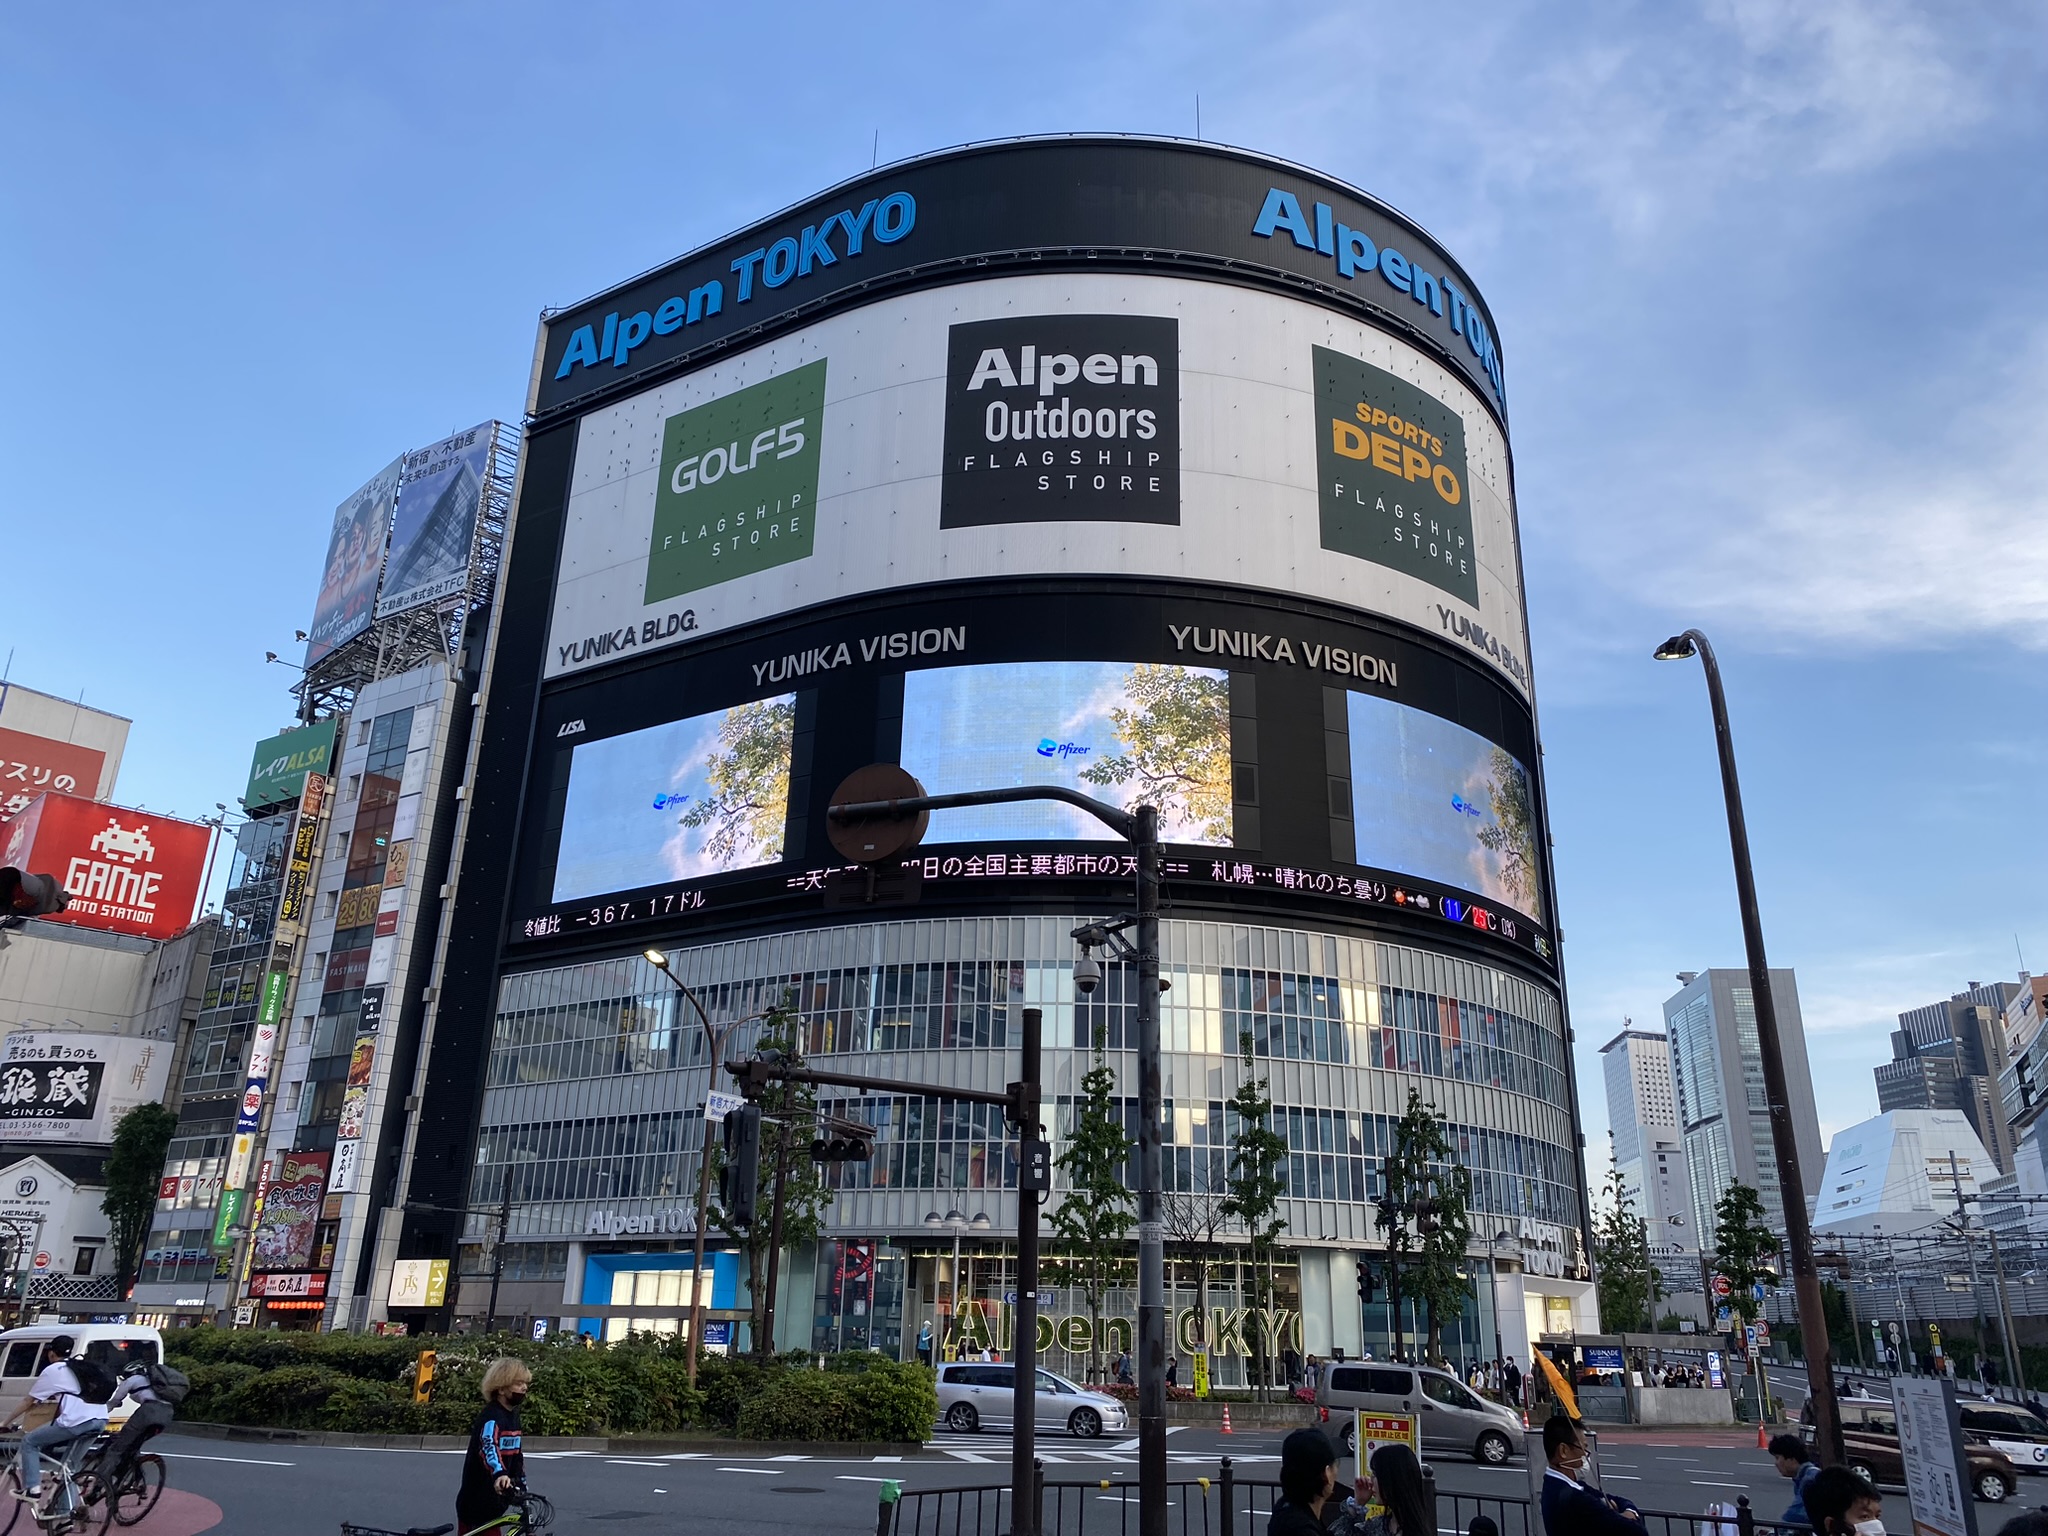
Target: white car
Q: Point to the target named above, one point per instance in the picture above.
(974, 1395)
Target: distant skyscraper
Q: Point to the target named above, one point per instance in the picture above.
(1951, 1055)
(1717, 1070)
(1900, 1172)
(1649, 1149)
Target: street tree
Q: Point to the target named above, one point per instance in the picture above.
(1195, 1222)
(748, 804)
(135, 1166)
(1630, 1287)
(1744, 1248)
(791, 1189)
(1093, 1221)
(1174, 726)
(1257, 1181)
(1434, 1193)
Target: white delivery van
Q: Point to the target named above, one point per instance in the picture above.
(113, 1345)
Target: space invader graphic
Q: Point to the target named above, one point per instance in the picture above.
(117, 842)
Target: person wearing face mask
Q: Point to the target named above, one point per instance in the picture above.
(1570, 1508)
(1841, 1503)
(494, 1465)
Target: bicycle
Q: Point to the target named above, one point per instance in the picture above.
(130, 1491)
(530, 1513)
(88, 1505)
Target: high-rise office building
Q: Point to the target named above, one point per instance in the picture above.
(1717, 1070)
(1649, 1149)
(1951, 1055)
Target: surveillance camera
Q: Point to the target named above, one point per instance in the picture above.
(1087, 975)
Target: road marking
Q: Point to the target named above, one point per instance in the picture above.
(620, 1461)
(970, 1456)
(789, 1458)
(888, 1458)
(850, 1477)
(1125, 1445)
(247, 1461)
(680, 1456)
(757, 1471)
(1619, 1477)
(1703, 1483)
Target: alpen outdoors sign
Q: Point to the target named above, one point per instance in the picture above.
(739, 484)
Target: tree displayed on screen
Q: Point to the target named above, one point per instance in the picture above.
(1175, 723)
(1512, 834)
(747, 809)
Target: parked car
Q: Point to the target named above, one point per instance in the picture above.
(113, 1345)
(1449, 1415)
(972, 1395)
(2016, 1432)
(1870, 1436)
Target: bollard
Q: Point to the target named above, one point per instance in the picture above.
(1038, 1495)
(1745, 1517)
(1429, 1494)
(885, 1514)
(1227, 1480)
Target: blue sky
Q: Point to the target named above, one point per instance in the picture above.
(1767, 278)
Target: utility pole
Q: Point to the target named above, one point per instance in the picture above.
(1969, 1249)
(2015, 1374)
(498, 1255)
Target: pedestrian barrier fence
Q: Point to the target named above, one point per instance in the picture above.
(1227, 1505)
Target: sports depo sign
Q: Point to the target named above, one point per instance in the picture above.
(127, 871)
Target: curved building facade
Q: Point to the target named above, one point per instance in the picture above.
(1163, 472)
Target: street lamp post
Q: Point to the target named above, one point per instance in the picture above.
(1813, 1329)
(715, 1034)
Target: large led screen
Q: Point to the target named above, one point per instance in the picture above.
(1432, 799)
(1118, 731)
(692, 797)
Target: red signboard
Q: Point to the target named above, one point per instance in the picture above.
(31, 765)
(276, 1286)
(127, 871)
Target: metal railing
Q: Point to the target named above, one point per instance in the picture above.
(1229, 1505)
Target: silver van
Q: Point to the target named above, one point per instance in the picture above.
(113, 1345)
(1449, 1415)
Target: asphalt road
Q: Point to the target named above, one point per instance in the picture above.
(271, 1489)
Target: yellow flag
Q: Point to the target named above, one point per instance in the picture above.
(1559, 1385)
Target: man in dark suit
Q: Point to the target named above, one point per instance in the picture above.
(1570, 1508)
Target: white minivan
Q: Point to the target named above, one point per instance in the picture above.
(113, 1345)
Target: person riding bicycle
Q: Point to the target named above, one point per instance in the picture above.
(157, 1390)
(494, 1465)
(78, 1420)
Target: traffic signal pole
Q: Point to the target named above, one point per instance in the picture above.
(868, 830)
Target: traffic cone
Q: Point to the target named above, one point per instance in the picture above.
(1763, 1437)
(1226, 1418)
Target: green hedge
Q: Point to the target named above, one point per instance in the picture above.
(640, 1386)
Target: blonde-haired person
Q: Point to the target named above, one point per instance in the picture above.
(494, 1464)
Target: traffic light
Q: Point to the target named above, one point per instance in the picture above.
(23, 895)
(843, 1144)
(1368, 1281)
(739, 1182)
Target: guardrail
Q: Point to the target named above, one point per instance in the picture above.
(1228, 1505)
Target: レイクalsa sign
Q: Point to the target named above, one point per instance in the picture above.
(127, 871)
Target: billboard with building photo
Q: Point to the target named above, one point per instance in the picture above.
(48, 743)
(434, 529)
(127, 871)
(355, 558)
(68, 1086)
